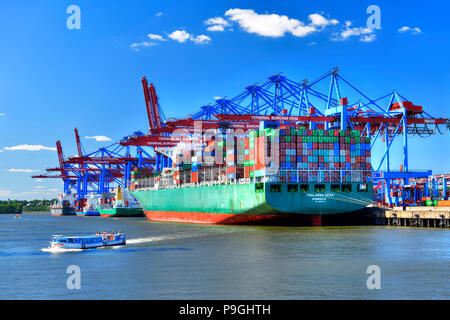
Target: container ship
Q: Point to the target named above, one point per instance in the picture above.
(119, 204)
(89, 207)
(63, 206)
(272, 175)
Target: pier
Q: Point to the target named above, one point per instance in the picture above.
(431, 217)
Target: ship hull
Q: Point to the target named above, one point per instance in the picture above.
(88, 213)
(121, 212)
(232, 219)
(66, 211)
(250, 203)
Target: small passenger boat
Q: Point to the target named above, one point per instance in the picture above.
(104, 239)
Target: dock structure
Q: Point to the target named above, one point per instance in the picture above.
(432, 217)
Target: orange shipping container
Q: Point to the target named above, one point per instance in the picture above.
(443, 203)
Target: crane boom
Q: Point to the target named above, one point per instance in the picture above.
(77, 138)
(155, 107)
(150, 113)
(61, 159)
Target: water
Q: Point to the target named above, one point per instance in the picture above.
(186, 261)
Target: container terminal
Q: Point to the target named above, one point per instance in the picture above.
(278, 152)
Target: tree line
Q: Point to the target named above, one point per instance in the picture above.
(19, 206)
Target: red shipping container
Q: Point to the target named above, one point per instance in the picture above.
(230, 157)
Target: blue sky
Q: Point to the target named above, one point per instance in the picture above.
(54, 79)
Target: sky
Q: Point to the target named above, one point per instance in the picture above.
(54, 79)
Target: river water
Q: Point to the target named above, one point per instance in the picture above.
(187, 261)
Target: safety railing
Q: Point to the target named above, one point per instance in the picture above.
(214, 176)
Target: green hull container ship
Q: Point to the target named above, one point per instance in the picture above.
(250, 203)
(120, 212)
(272, 175)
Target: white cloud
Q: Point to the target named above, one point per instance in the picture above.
(364, 34)
(22, 170)
(156, 37)
(302, 31)
(39, 180)
(159, 14)
(216, 24)
(180, 36)
(39, 187)
(269, 25)
(274, 25)
(201, 39)
(2, 114)
(368, 38)
(217, 27)
(98, 138)
(217, 21)
(217, 98)
(5, 192)
(29, 147)
(137, 45)
(318, 20)
(408, 29)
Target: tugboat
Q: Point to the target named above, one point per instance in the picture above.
(104, 239)
(63, 206)
(120, 204)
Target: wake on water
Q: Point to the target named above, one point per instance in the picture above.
(59, 250)
(131, 242)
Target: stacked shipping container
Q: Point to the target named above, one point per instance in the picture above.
(299, 154)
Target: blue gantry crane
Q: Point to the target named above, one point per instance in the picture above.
(328, 102)
(322, 103)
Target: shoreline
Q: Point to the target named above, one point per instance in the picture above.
(30, 212)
